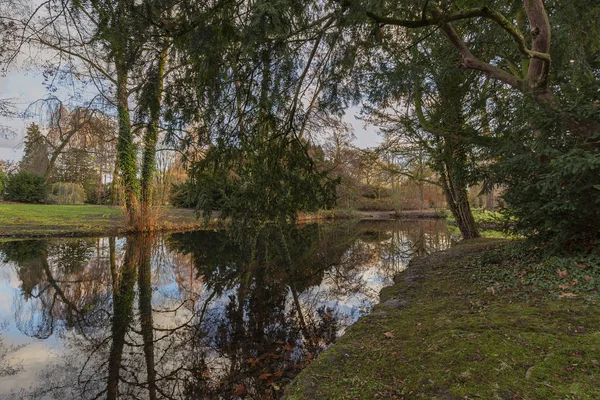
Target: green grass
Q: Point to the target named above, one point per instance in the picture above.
(455, 338)
(483, 217)
(20, 220)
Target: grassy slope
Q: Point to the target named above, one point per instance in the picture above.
(19, 220)
(450, 338)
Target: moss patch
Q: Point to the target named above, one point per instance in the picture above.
(439, 333)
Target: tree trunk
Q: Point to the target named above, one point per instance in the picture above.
(458, 202)
(126, 149)
(100, 188)
(490, 200)
(151, 138)
(114, 194)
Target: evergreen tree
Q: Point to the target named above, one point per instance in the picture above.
(35, 158)
(248, 109)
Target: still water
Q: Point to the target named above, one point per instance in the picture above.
(198, 315)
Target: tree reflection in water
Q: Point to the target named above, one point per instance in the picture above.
(199, 315)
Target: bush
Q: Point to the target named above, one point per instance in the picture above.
(67, 193)
(553, 186)
(26, 187)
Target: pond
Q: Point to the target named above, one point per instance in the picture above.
(198, 315)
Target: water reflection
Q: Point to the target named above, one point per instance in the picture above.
(198, 315)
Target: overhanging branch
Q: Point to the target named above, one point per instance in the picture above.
(483, 12)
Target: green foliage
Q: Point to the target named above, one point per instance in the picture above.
(273, 185)
(249, 111)
(184, 195)
(67, 193)
(35, 157)
(541, 144)
(26, 187)
(551, 169)
(76, 166)
(485, 218)
(3, 180)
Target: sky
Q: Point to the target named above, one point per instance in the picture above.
(25, 87)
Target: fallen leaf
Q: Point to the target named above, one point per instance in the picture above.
(588, 278)
(264, 376)
(562, 273)
(566, 295)
(239, 390)
(388, 335)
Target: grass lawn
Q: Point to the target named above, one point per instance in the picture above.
(20, 220)
(478, 326)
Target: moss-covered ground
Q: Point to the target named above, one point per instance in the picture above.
(471, 324)
(38, 220)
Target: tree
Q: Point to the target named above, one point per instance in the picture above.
(7, 30)
(64, 129)
(79, 144)
(36, 155)
(442, 114)
(108, 45)
(3, 180)
(248, 109)
(26, 187)
(550, 140)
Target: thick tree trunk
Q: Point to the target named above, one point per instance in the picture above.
(150, 140)
(126, 149)
(458, 202)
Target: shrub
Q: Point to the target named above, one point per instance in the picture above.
(553, 184)
(67, 193)
(26, 187)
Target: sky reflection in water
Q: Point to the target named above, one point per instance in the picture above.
(195, 315)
